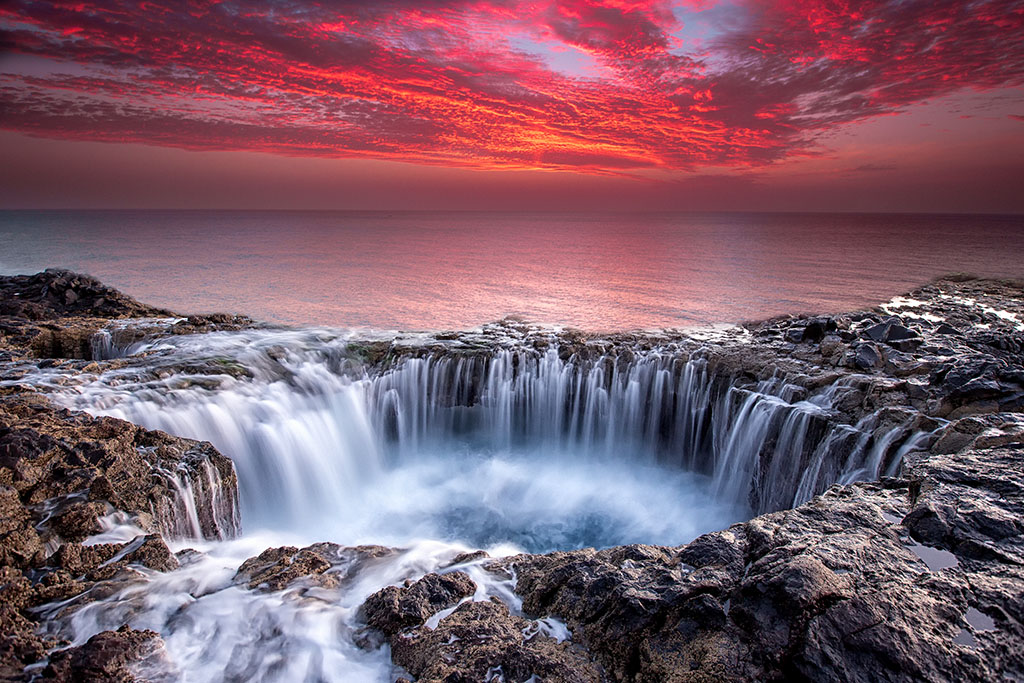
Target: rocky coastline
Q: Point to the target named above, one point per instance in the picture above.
(916, 576)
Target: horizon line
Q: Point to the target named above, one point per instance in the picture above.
(505, 211)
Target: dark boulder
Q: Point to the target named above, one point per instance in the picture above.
(795, 335)
(866, 357)
(395, 608)
(946, 328)
(817, 328)
(326, 565)
(893, 333)
(121, 656)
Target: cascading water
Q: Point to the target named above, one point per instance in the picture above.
(311, 429)
(440, 450)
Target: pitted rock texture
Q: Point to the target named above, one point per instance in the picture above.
(873, 581)
(325, 565)
(67, 469)
(477, 641)
(915, 577)
(394, 608)
(57, 313)
(58, 293)
(60, 472)
(122, 656)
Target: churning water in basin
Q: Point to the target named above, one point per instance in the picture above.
(437, 451)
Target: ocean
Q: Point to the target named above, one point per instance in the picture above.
(457, 270)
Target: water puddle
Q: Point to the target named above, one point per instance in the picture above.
(979, 621)
(966, 638)
(891, 518)
(936, 558)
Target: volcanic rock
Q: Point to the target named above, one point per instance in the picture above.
(326, 565)
(867, 582)
(112, 657)
(394, 608)
(475, 642)
(59, 313)
(482, 640)
(917, 576)
(61, 475)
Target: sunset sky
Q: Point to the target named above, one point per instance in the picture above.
(441, 104)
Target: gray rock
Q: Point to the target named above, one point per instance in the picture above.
(832, 590)
(867, 357)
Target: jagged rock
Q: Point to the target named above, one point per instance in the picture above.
(58, 293)
(894, 334)
(78, 520)
(866, 357)
(873, 581)
(111, 657)
(326, 565)
(464, 558)
(480, 641)
(476, 642)
(59, 473)
(82, 465)
(20, 544)
(394, 609)
(795, 335)
(58, 313)
(20, 644)
(836, 589)
(817, 328)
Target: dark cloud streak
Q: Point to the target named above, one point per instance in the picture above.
(441, 82)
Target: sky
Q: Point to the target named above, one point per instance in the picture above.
(579, 104)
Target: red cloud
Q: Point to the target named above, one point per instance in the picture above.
(444, 81)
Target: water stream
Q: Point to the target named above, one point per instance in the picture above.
(518, 447)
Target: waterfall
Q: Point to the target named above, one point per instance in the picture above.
(102, 346)
(308, 428)
(527, 399)
(122, 338)
(761, 447)
(202, 506)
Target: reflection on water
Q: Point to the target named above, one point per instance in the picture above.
(436, 270)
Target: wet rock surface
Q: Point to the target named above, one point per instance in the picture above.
(57, 314)
(917, 576)
(393, 609)
(872, 581)
(68, 469)
(121, 656)
(65, 477)
(325, 565)
(472, 640)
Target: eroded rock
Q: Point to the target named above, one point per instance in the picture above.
(843, 588)
(477, 641)
(326, 565)
(122, 656)
(395, 608)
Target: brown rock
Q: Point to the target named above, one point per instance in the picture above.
(393, 609)
(326, 565)
(481, 640)
(109, 657)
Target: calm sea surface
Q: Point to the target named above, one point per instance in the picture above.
(439, 270)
